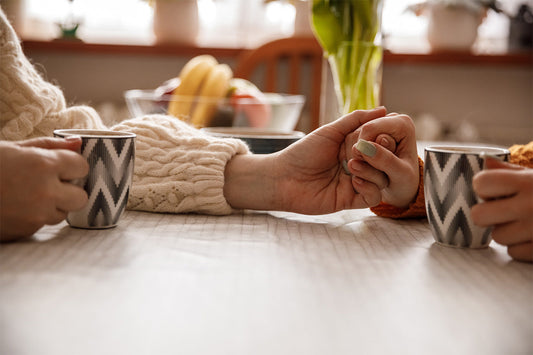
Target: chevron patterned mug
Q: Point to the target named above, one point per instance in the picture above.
(111, 157)
(449, 195)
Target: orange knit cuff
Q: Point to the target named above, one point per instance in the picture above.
(416, 209)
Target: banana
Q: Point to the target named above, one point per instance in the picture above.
(215, 87)
(192, 76)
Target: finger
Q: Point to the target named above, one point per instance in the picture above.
(492, 163)
(346, 150)
(71, 143)
(377, 156)
(521, 252)
(71, 165)
(71, 197)
(397, 126)
(500, 211)
(386, 141)
(365, 171)
(516, 232)
(367, 191)
(56, 217)
(353, 120)
(494, 183)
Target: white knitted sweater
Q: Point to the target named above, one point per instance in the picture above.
(177, 168)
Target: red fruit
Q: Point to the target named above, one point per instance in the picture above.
(254, 106)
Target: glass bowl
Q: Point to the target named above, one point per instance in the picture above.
(279, 112)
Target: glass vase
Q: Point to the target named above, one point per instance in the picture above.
(350, 33)
(356, 70)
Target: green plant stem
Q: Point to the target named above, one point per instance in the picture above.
(348, 30)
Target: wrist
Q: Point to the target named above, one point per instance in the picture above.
(249, 182)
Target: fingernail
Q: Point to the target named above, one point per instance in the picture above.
(366, 148)
(357, 180)
(354, 165)
(72, 138)
(345, 167)
(485, 155)
(384, 142)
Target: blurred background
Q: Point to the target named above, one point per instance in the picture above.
(95, 50)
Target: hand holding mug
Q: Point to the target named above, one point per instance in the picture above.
(507, 191)
(34, 187)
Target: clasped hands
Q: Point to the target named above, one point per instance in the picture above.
(310, 175)
(379, 152)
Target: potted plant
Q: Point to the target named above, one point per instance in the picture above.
(302, 16)
(453, 24)
(175, 21)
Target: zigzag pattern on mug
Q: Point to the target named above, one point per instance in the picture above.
(108, 188)
(447, 204)
(455, 226)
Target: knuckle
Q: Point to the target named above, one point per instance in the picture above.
(406, 120)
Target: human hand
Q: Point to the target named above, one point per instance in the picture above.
(507, 190)
(34, 187)
(364, 173)
(395, 164)
(310, 175)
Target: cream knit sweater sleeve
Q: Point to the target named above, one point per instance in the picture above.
(177, 168)
(30, 106)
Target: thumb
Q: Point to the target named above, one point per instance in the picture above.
(355, 119)
(495, 163)
(71, 143)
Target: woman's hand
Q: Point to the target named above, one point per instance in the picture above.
(508, 193)
(306, 177)
(34, 188)
(397, 161)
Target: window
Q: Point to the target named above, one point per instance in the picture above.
(236, 23)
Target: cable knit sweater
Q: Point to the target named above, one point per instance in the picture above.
(177, 168)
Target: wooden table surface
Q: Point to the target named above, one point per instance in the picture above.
(260, 283)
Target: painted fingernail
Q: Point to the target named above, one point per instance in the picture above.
(366, 148)
(345, 167)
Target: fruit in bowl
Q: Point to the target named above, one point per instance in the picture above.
(206, 94)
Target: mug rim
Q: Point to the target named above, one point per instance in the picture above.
(467, 149)
(93, 133)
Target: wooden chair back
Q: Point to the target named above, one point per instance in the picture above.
(291, 65)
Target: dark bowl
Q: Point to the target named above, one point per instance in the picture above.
(260, 141)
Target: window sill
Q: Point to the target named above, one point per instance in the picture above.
(440, 58)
